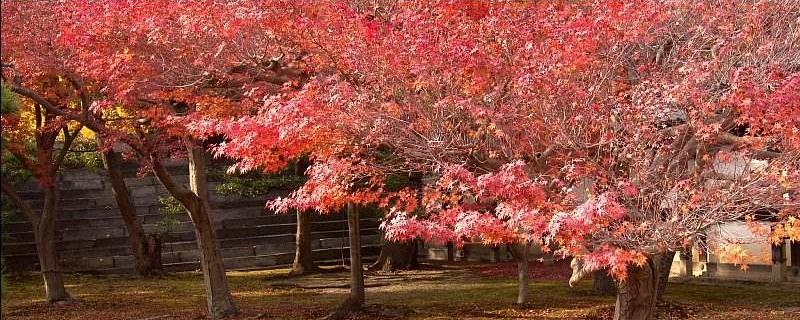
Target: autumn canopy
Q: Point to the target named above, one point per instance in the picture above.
(610, 131)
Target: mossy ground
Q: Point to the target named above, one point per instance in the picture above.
(444, 292)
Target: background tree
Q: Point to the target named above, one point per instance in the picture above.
(32, 125)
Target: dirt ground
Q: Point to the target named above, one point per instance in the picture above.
(453, 291)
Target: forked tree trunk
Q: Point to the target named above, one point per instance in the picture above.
(45, 235)
(523, 278)
(303, 255)
(397, 256)
(218, 296)
(664, 268)
(636, 298)
(604, 284)
(146, 248)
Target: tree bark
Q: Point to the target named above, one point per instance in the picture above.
(523, 278)
(451, 252)
(218, 296)
(220, 302)
(397, 256)
(604, 284)
(355, 300)
(356, 267)
(636, 298)
(146, 248)
(663, 274)
(303, 255)
(44, 232)
(44, 228)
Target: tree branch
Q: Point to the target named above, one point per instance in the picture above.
(11, 192)
(68, 139)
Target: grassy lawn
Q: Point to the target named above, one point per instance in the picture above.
(445, 292)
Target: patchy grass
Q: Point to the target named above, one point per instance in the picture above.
(446, 292)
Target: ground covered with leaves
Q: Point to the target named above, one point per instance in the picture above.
(459, 291)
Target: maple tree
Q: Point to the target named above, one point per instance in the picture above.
(618, 130)
(39, 141)
(603, 127)
(120, 55)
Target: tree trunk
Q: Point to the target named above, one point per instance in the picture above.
(146, 249)
(604, 284)
(522, 274)
(397, 256)
(356, 268)
(451, 252)
(355, 300)
(636, 298)
(44, 229)
(663, 274)
(303, 255)
(218, 295)
(45, 235)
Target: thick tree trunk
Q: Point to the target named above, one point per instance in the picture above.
(523, 281)
(636, 298)
(146, 249)
(664, 268)
(45, 236)
(397, 256)
(220, 302)
(604, 284)
(303, 255)
(218, 296)
(44, 230)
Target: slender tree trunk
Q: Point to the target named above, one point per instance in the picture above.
(604, 284)
(146, 248)
(45, 235)
(663, 274)
(636, 298)
(355, 300)
(218, 296)
(523, 281)
(451, 252)
(356, 267)
(303, 255)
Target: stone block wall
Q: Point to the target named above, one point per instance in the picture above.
(92, 236)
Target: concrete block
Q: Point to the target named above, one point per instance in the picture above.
(106, 202)
(778, 273)
(143, 191)
(124, 261)
(141, 181)
(333, 243)
(88, 263)
(250, 262)
(93, 184)
(238, 252)
(146, 200)
(79, 175)
(437, 253)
